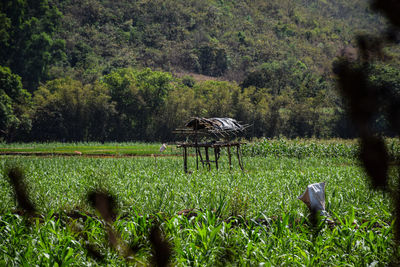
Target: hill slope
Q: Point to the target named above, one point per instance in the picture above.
(215, 38)
(78, 70)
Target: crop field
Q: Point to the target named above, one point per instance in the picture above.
(84, 149)
(204, 218)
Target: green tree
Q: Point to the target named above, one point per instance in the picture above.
(68, 110)
(15, 106)
(27, 40)
(139, 97)
(216, 98)
(213, 60)
(254, 106)
(180, 105)
(284, 75)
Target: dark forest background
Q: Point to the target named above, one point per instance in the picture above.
(120, 70)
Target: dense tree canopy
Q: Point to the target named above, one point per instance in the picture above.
(27, 40)
(15, 106)
(65, 109)
(136, 70)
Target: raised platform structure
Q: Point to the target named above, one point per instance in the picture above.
(217, 146)
(213, 128)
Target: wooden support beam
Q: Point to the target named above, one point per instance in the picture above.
(185, 159)
(229, 157)
(207, 159)
(201, 157)
(197, 150)
(197, 158)
(238, 156)
(217, 153)
(216, 156)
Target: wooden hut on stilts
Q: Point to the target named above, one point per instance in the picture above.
(210, 135)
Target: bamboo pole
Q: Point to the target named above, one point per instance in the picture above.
(185, 159)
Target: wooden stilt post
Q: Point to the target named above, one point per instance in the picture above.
(197, 158)
(229, 157)
(185, 159)
(207, 159)
(238, 156)
(197, 152)
(201, 157)
(216, 157)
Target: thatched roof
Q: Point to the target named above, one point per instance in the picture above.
(217, 126)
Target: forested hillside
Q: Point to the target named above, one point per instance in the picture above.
(217, 38)
(134, 70)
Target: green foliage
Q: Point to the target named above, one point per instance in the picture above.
(385, 75)
(383, 82)
(289, 75)
(217, 38)
(303, 149)
(216, 98)
(26, 39)
(6, 111)
(280, 53)
(66, 108)
(88, 149)
(139, 97)
(149, 105)
(213, 61)
(188, 81)
(15, 106)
